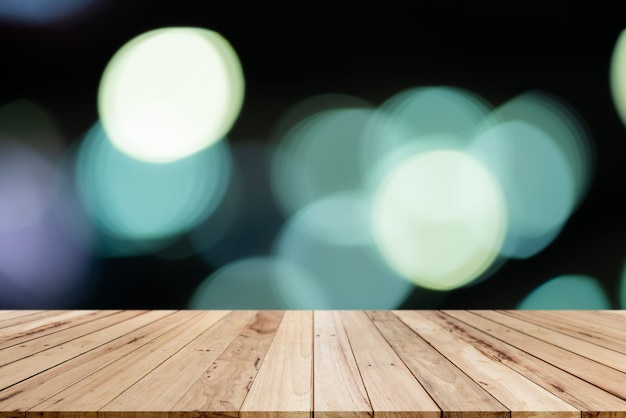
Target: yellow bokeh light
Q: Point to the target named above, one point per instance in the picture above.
(170, 92)
(618, 75)
(439, 219)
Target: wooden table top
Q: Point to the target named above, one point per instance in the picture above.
(293, 363)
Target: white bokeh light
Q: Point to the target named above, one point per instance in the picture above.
(170, 92)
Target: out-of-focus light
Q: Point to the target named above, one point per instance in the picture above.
(537, 183)
(330, 239)
(43, 12)
(561, 125)
(319, 156)
(135, 200)
(428, 118)
(170, 92)
(250, 283)
(440, 219)
(248, 218)
(46, 263)
(28, 186)
(618, 75)
(567, 292)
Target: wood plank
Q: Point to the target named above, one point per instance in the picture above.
(70, 345)
(165, 388)
(283, 384)
(99, 388)
(594, 352)
(590, 327)
(226, 382)
(30, 392)
(28, 348)
(10, 316)
(30, 315)
(20, 333)
(603, 355)
(591, 400)
(436, 373)
(392, 389)
(523, 397)
(604, 377)
(338, 387)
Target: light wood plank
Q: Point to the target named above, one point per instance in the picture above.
(523, 397)
(163, 388)
(591, 400)
(99, 388)
(393, 391)
(590, 327)
(20, 333)
(10, 316)
(30, 392)
(436, 373)
(594, 352)
(28, 348)
(283, 384)
(30, 315)
(338, 387)
(607, 378)
(70, 345)
(226, 382)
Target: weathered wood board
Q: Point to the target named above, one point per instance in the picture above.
(257, 364)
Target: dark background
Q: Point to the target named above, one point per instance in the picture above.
(293, 50)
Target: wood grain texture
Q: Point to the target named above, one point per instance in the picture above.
(392, 389)
(436, 373)
(283, 385)
(607, 378)
(523, 397)
(339, 389)
(447, 364)
(591, 400)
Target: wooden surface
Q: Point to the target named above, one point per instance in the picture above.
(483, 364)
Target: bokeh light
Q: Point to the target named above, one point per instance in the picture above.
(43, 12)
(45, 262)
(138, 201)
(536, 182)
(440, 219)
(428, 118)
(250, 283)
(562, 125)
(319, 156)
(170, 92)
(330, 240)
(618, 75)
(567, 292)
(28, 186)
(248, 219)
(540, 153)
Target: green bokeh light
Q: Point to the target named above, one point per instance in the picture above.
(253, 283)
(427, 118)
(330, 239)
(536, 181)
(318, 157)
(618, 75)
(135, 200)
(567, 292)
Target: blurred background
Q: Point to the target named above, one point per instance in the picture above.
(158, 154)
